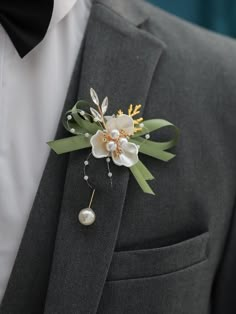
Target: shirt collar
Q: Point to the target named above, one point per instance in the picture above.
(60, 10)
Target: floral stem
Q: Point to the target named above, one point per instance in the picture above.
(103, 121)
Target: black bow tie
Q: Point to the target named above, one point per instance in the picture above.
(26, 22)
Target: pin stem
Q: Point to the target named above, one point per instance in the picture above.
(90, 203)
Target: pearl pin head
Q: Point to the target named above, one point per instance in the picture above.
(111, 146)
(86, 216)
(115, 134)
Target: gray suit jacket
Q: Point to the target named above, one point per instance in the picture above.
(169, 254)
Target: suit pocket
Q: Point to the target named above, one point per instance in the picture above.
(158, 261)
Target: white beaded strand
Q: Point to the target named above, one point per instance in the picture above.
(72, 130)
(109, 173)
(86, 177)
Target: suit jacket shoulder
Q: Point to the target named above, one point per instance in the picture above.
(201, 62)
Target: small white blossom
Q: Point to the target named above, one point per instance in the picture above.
(116, 144)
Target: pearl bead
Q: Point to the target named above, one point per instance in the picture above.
(147, 136)
(109, 174)
(72, 130)
(111, 146)
(69, 117)
(108, 159)
(86, 134)
(123, 141)
(86, 178)
(86, 162)
(141, 125)
(86, 216)
(115, 133)
(82, 112)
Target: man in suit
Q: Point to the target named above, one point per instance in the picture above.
(169, 253)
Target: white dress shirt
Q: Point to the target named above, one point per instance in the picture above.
(32, 94)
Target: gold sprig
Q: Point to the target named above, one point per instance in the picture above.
(133, 111)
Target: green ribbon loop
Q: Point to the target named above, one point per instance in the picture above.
(83, 123)
(152, 149)
(156, 149)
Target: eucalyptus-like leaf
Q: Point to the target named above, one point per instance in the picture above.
(94, 96)
(104, 105)
(96, 114)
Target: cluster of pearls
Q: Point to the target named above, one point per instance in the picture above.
(116, 141)
(111, 145)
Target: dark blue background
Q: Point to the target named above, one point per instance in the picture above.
(218, 15)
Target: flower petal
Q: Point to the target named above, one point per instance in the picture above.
(108, 117)
(128, 157)
(123, 122)
(98, 145)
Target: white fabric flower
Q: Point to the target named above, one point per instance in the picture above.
(123, 122)
(114, 141)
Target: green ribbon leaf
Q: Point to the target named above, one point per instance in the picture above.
(69, 144)
(139, 176)
(152, 149)
(144, 171)
(155, 149)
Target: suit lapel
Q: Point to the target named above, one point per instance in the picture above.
(118, 61)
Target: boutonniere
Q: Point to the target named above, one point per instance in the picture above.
(121, 137)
